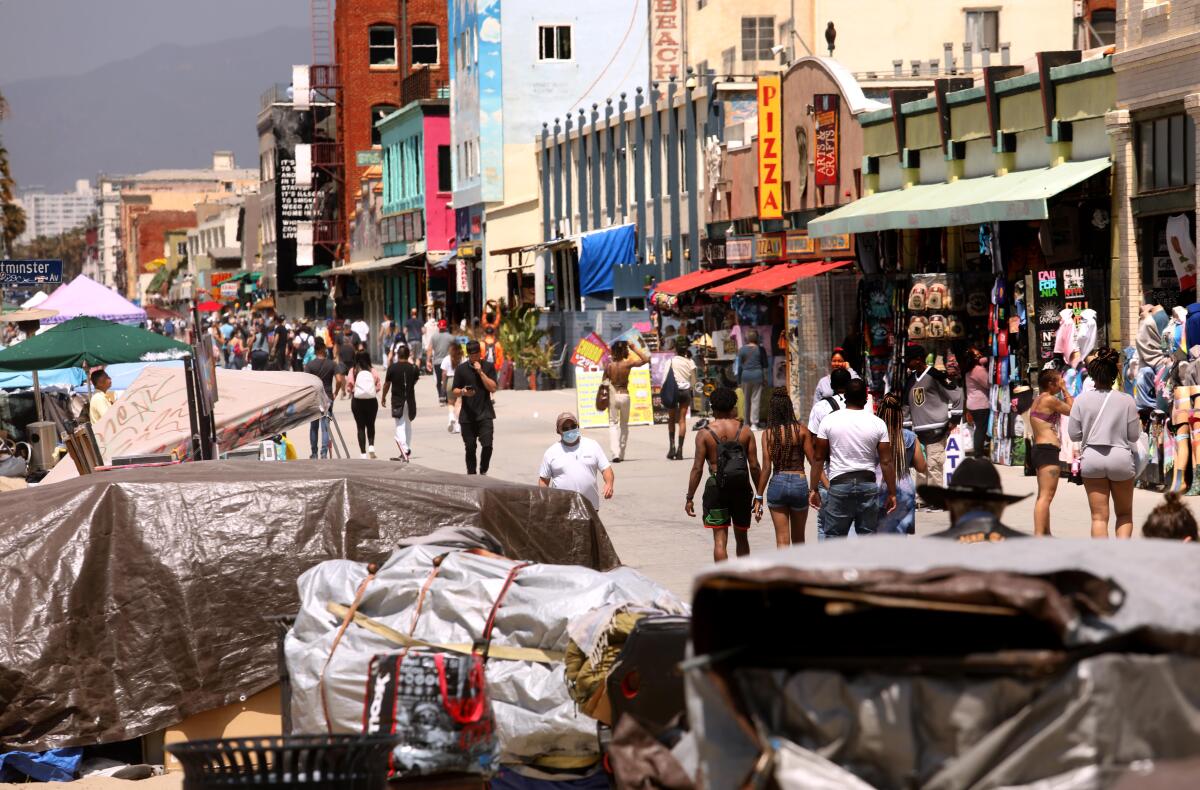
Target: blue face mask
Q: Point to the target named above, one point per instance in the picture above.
(571, 436)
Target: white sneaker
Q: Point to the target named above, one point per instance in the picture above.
(371, 451)
(450, 427)
(363, 456)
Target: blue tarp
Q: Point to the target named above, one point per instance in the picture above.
(599, 252)
(48, 379)
(56, 765)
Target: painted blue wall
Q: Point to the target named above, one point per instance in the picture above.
(502, 91)
(402, 139)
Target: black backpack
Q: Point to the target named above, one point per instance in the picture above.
(732, 466)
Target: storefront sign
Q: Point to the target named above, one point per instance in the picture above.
(31, 272)
(768, 247)
(838, 243)
(770, 149)
(462, 276)
(216, 278)
(368, 158)
(714, 252)
(825, 154)
(666, 39)
(798, 244)
(229, 290)
(739, 250)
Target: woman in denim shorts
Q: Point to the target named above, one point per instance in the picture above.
(786, 443)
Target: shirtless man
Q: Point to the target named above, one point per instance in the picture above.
(618, 403)
(1047, 443)
(729, 494)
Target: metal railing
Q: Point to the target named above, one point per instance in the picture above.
(424, 84)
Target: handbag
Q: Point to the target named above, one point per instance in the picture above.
(669, 392)
(603, 395)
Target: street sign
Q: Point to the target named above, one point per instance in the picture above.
(31, 272)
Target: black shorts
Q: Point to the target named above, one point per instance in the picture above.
(723, 506)
(1044, 455)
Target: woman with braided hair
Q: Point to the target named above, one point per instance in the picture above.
(1106, 424)
(786, 443)
(906, 455)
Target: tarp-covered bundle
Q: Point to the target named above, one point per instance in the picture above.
(133, 599)
(930, 664)
(448, 597)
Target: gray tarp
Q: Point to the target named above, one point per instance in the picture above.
(937, 665)
(133, 599)
(535, 715)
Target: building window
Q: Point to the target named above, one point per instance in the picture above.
(443, 168)
(728, 61)
(181, 249)
(983, 30)
(1166, 153)
(425, 45)
(554, 42)
(378, 113)
(1103, 31)
(383, 45)
(758, 36)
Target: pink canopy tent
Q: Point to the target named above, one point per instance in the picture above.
(85, 296)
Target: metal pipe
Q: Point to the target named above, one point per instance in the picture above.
(656, 175)
(595, 168)
(676, 262)
(610, 182)
(622, 162)
(639, 174)
(691, 176)
(583, 174)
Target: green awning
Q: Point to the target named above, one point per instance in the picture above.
(312, 271)
(251, 276)
(1020, 195)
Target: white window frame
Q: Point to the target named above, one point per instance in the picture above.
(371, 48)
(981, 12)
(436, 46)
(759, 28)
(557, 37)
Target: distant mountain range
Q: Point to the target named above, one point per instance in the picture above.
(169, 107)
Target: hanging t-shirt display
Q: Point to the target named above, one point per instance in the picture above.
(1072, 289)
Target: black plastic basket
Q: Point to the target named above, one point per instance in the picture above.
(315, 762)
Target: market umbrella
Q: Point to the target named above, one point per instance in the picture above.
(209, 307)
(90, 342)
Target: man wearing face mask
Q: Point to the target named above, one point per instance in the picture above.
(572, 463)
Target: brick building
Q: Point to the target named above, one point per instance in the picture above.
(389, 53)
(150, 229)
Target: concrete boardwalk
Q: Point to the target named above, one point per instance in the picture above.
(645, 517)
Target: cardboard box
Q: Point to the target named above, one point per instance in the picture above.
(256, 715)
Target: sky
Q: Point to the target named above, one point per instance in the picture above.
(48, 38)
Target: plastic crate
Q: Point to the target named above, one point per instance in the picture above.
(315, 762)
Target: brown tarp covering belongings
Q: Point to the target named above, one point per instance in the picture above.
(522, 617)
(136, 598)
(900, 663)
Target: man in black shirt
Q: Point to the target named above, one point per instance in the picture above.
(345, 355)
(277, 358)
(474, 383)
(323, 368)
(401, 381)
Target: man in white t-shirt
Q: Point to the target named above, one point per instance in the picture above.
(573, 462)
(361, 329)
(853, 441)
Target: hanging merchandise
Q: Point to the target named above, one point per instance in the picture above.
(1182, 250)
(1085, 332)
(917, 296)
(936, 295)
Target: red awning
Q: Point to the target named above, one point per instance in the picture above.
(696, 280)
(774, 279)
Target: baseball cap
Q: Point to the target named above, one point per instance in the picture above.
(442, 324)
(473, 347)
(565, 417)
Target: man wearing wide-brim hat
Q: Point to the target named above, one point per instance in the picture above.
(976, 501)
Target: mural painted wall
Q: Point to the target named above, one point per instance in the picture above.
(476, 101)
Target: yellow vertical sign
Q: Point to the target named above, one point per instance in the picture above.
(770, 148)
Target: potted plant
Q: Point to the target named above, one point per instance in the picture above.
(538, 361)
(521, 338)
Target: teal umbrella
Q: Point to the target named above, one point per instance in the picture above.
(90, 342)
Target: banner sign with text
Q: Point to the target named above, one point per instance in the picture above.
(770, 149)
(641, 407)
(592, 352)
(666, 40)
(825, 155)
(31, 272)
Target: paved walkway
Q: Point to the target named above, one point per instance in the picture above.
(645, 518)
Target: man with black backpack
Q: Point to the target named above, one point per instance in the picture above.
(728, 447)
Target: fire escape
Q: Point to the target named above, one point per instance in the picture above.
(327, 150)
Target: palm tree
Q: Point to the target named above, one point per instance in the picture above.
(12, 216)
